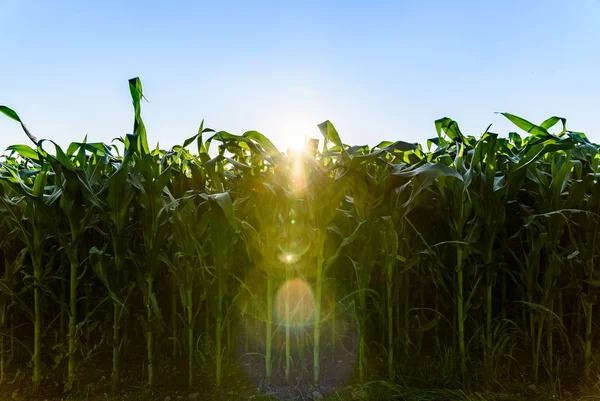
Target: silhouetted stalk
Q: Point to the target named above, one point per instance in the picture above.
(206, 326)
(12, 335)
(269, 328)
(288, 349)
(87, 313)
(406, 312)
(334, 320)
(63, 302)
(390, 319)
(503, 291)
(37, 324)
(174, 315)
(317, 317)
(190, 323)
(460, 312)
(2, 340)
(149, 347)
(549, 342)
(488, 324)
(219, 334)
(588, 307)
(72, 320)
(116, 345)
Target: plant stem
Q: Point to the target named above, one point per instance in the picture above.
(390, 320)
(206, 326)
(2, 351)
(12, 336)
(190, 316)
(269, 328)
(588, 332)
(37, 324)
(334, 321)
(149, 334)
(116, 345)
(317, 320)
(406, 312)
(174, 315)
(219, 334)
(63, 291)
(549, 347)
(288, 348)
(72, 321)
(488, 331)
(534, 354)
(460, 312)
(87, 313)
(538, 348)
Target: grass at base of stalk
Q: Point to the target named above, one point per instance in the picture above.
(431, 380)
(240, 390)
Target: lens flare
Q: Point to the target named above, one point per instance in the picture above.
(293, 247)
(287, 257)
(287, 333)
(295, 143)
(295, 303)
(297, 175)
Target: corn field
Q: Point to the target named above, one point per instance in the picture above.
(469, 259)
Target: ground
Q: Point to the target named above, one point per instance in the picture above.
(238, 384)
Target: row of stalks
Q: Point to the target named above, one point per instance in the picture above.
(476, 251)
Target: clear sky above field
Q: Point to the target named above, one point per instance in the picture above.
(377, 69)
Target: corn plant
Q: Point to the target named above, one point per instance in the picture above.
(468, 251)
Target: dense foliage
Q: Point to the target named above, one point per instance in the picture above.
(472, 260)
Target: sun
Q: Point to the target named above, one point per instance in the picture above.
(294, 142)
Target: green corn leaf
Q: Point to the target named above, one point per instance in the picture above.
(450, 128)
(331, 134)
(263, 141)
(13, 115)
(139, 130)
(25, 151)
(540, 308)
(551, 122)
(223, 200)
(433, 170)
(525, 125)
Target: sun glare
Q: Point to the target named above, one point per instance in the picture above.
(295, 303)
(294, 143)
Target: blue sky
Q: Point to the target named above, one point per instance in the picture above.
(377, 69)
